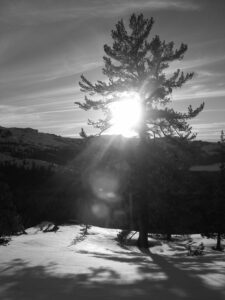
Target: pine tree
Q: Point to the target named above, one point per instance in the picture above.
(216, 209)
(222, 157)
(134, 63)
(219, 196)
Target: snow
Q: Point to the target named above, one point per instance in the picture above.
(67, 265)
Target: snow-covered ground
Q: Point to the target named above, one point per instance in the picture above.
(65, 265)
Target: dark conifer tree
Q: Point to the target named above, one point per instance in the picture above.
(134, 63)
(218, 210)
(222, 158)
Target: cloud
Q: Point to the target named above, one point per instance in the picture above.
(35, 12)
(208, 81)
(199, 94)
(15, 116)
(196, 64)
(64, 122)
(210, 125)
(215, 110)
(39, 94)
(208, 131)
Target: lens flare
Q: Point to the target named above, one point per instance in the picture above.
(100, 210)
(105, 186)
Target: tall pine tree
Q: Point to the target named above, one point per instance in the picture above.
(134, 63)
(218, 210)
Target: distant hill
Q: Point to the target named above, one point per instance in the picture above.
(43, 148)
(31, 146)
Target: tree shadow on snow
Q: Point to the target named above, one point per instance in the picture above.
(117, 256)
(19, 281)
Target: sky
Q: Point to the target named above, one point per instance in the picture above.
(46, 45)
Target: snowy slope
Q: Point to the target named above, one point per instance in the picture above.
(65, 265)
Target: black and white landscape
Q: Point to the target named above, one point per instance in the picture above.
(112, 149)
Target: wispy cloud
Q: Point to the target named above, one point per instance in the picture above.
(47, 121)
(194, 64)
(209, 131)
(199, 94)
(219, 109)
(211, 125)
(33, 12)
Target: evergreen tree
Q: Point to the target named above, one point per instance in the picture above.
(222, 158)
(136, 64)
(219, 197)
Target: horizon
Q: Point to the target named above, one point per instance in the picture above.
(109, 135)
(46, 47)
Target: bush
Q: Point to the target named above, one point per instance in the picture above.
(122, 236)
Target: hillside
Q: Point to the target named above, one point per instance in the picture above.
(29, 144)
(24, 144)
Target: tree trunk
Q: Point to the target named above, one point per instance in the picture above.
(143, 238)
(143, 210)
(142, 169)
(143, 216)
(143, 223)
(218, 242)
(131, 218)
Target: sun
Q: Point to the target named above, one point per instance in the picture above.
(126, 114)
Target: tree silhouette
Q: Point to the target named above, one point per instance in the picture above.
(136, 64)
(217, 209)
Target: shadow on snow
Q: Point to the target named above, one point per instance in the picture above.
(22, 282)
